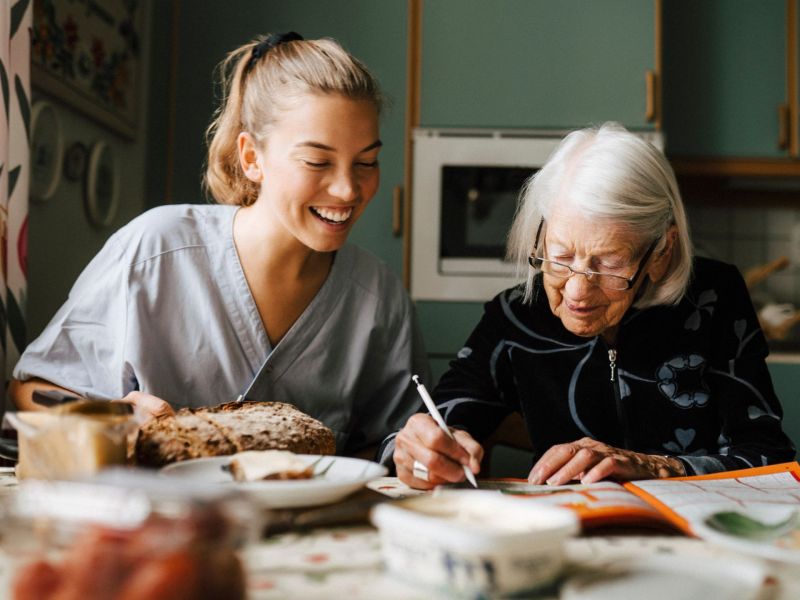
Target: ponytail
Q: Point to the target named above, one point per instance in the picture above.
(257, 81)
(224, 179)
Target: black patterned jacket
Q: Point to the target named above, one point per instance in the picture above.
(688, 380)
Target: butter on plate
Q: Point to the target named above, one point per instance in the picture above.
(260, 465)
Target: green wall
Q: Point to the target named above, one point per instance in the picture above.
(786, 378)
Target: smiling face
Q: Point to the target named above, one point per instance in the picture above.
(584, 308)
(318, 169)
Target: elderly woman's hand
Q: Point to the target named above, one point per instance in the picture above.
(424, 442)
(588, 461)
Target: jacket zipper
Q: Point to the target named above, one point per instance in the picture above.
(612, 363)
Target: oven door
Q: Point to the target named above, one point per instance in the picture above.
(466, 185)
(477, 207)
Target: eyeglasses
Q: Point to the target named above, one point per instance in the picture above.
(603, 280)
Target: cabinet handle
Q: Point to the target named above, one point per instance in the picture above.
(397, 210)
(650, 102)
(783, 126)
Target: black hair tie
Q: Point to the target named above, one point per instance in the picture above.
(268, 44)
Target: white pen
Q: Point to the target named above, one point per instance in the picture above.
(434, 412)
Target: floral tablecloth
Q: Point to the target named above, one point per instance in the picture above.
(346, 562)
(331, 563)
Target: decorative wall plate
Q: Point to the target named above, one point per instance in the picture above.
(101, 193)
(75, 161)
(47, 146)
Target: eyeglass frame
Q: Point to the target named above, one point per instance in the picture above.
(631, 281)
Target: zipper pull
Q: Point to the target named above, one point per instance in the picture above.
(612, 362)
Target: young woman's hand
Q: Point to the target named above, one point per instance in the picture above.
(587, 460)
(147, 406)
(441, 458)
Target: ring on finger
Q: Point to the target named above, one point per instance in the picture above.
(420, 471)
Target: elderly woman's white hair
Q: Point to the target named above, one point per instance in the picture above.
(611, 175)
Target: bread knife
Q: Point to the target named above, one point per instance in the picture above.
(247, 394)
(53, 397)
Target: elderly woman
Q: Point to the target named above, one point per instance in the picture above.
(627, 357)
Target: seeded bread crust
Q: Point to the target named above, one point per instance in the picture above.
(230, 428)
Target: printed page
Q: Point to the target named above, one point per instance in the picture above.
(689, 499)
(602, 503)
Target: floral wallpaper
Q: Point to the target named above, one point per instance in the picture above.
(15, 23)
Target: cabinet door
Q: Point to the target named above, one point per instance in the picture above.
(536, 63)
(724, 77)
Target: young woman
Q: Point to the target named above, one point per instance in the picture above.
(257, 296)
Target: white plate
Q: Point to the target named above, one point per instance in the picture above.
(345, 476)
(784, 550)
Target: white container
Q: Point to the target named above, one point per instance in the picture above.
(474, 543)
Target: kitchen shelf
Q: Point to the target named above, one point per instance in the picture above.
(736, 167)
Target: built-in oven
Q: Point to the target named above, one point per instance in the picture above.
(466, 186)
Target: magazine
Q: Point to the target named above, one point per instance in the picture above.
(761, 502)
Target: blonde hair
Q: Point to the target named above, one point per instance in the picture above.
(609, 174)
(255, 90)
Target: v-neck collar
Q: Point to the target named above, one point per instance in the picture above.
(270, 362)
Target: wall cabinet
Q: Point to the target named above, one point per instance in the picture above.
(536, 63)
(729, 79)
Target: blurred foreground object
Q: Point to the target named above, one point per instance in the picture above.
(125, 537)
(75, 439)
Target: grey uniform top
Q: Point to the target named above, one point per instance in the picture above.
(165, 308)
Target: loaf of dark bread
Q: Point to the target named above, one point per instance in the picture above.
(230, 428)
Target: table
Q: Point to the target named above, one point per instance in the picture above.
(345, 562)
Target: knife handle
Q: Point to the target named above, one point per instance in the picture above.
(53, 397)
(349, 512)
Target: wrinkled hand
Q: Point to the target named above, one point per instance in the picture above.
(423, 440)
(147, 406)
(588, 461)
